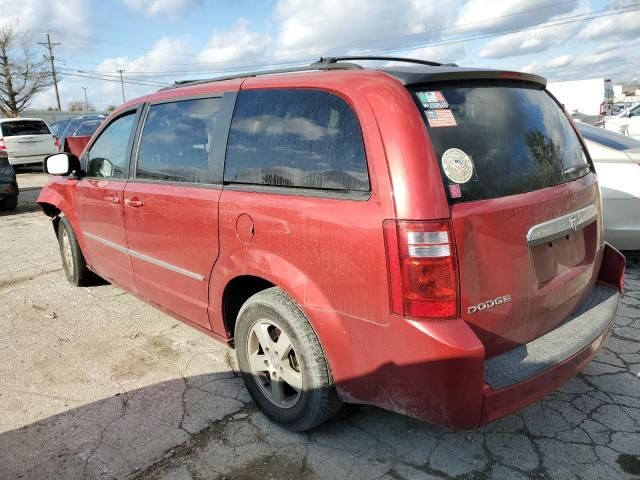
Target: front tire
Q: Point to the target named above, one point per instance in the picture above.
(282, 363)
(73, 262)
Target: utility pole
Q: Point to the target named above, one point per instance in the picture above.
(86, 103)
(121, 71)
(50, 46)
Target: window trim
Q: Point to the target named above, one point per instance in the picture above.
(303, 191)
(135, 110)
(218, 139)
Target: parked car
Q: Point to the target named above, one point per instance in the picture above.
(58, 127)
(617, 162)
(78, 139)
(8, 184)
(626, 123)
(75, 124)
(26, 140)
(427, 239)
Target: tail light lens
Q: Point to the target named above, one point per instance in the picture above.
(423, 272)
(2, 144)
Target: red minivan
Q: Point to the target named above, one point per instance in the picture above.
(427, 238)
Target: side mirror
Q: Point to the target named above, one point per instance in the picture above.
(61, 164)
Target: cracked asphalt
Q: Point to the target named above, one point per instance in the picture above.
(96, 384)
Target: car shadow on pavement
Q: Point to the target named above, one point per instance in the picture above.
(206, 426)
(26, 202)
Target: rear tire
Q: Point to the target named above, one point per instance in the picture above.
(73, 262)
(282, 363)
(9, 203)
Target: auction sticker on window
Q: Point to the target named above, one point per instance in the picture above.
(457, 165)
(440, 118)
(433, 100)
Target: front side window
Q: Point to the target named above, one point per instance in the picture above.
(107, 157)
(295, 138)
(176, 140)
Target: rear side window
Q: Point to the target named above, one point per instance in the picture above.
(176, 139)
(87, 128)
(24, 127)
(295, 138)
(499, 139)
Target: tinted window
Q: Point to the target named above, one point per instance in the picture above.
(295, 138)
(607, 137)
(58, 127)
(24, 127)
(87, 128)
(499, 139)
(176, 139)
(108, 155)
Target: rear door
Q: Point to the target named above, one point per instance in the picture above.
(171, 203)
(27, 138)
(100, 199)
(524, 205)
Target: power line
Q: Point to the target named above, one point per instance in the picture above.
(238, 66)
(93, 77)
(378, 39)
(50, 46)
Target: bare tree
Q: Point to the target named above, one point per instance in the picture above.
(79, 106)
(21, 77)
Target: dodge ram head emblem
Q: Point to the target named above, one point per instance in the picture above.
(573, 222)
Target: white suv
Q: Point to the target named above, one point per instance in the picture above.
(626, 123)
(26, 140)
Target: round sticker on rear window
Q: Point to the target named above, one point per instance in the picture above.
(457, 165)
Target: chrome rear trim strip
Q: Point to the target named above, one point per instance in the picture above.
(146, 258)
(561, 226)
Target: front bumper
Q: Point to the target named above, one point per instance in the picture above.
(437, 371)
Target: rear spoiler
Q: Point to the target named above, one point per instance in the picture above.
(441, 74)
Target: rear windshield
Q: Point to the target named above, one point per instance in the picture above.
(607, 137)
(499, 139)
(24, 127)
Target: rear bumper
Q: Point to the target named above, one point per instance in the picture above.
(437, 371)
(529, 372)
(28, 160)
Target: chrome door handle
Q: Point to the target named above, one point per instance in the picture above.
(112, 199)
(134, 202)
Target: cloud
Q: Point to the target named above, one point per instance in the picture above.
(236, 44)
(625, 25)
(497, 15)
(67, 20)
(163, 7)
(530, 41)
(310, 28)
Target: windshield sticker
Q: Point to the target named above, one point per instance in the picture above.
(432, 100)
(440, 118)
(457, 165)
(454, 190)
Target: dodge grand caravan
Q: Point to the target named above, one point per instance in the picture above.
(427, 239)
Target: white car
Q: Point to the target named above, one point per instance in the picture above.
(626, 122)
(617, 161)
(26, 140)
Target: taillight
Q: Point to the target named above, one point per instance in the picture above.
(423, 276)
(2, 145)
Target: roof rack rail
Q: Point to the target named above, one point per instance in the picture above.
(429, 63)
(325, 63)
(319, 65)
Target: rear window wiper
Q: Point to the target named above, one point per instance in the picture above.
(571, 170)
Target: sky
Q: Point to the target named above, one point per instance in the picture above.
(159, 41)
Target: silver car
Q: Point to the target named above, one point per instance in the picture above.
(617, 162)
